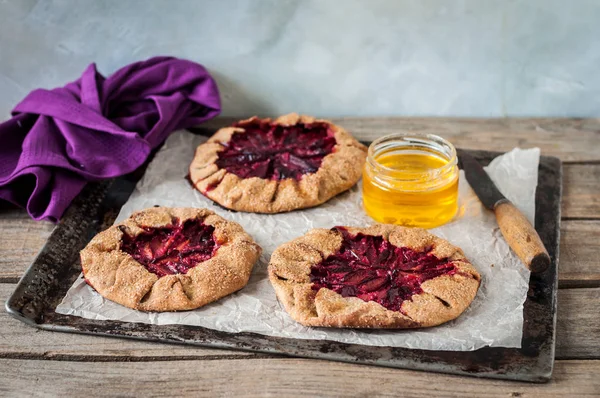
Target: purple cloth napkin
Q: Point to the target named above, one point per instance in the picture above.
(95, 128)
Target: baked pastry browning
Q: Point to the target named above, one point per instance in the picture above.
(169, 259)
(272, 166)
(383, 276)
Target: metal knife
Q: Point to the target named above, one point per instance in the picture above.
(516, 229)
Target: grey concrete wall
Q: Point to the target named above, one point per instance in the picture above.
(328, 57)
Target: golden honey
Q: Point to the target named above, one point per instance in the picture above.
(411, 180)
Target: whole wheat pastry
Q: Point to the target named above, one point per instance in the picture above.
(272, 166)
(169, 259)
(383, 276)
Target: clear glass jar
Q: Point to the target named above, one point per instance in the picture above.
(411, 180)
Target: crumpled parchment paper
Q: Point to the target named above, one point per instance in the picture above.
(495, 318)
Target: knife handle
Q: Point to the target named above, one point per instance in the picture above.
(522, 237)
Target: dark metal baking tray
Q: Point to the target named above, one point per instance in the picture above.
(57, 266)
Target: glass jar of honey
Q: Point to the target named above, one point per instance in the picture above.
(411, 180)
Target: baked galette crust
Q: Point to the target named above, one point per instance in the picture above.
(442, 299)
(338, 172)
(117, 276)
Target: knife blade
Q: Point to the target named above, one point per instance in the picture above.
(520, 235)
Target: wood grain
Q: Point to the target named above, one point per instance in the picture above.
(578, 324)
(21, 239)
(550, 135)
(581, 190)
(569, 139)
(579, 263)
(578, 336)
(281, 377)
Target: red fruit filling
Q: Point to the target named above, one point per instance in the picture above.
(174, 249)
(372, 269)
(276, 152)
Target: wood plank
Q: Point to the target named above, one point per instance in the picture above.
(273, 377)
(581, 191)
(579, 264)
(569, 139)
(578, 336)
(578, 324)
(21, 240)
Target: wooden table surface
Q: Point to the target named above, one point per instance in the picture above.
(35, 362)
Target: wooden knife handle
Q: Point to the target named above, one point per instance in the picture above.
(522, 237)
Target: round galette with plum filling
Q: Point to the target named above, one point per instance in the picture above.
(272, 166)
(383, 276)
(169, 259)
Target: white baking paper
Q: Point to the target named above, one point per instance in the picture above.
(495, 318)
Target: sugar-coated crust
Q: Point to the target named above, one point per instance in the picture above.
(339, 171)
(444, 298)
(120, 278)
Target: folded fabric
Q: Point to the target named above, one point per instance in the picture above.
(97, 128)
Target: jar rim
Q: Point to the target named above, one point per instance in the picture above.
(430, 141)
